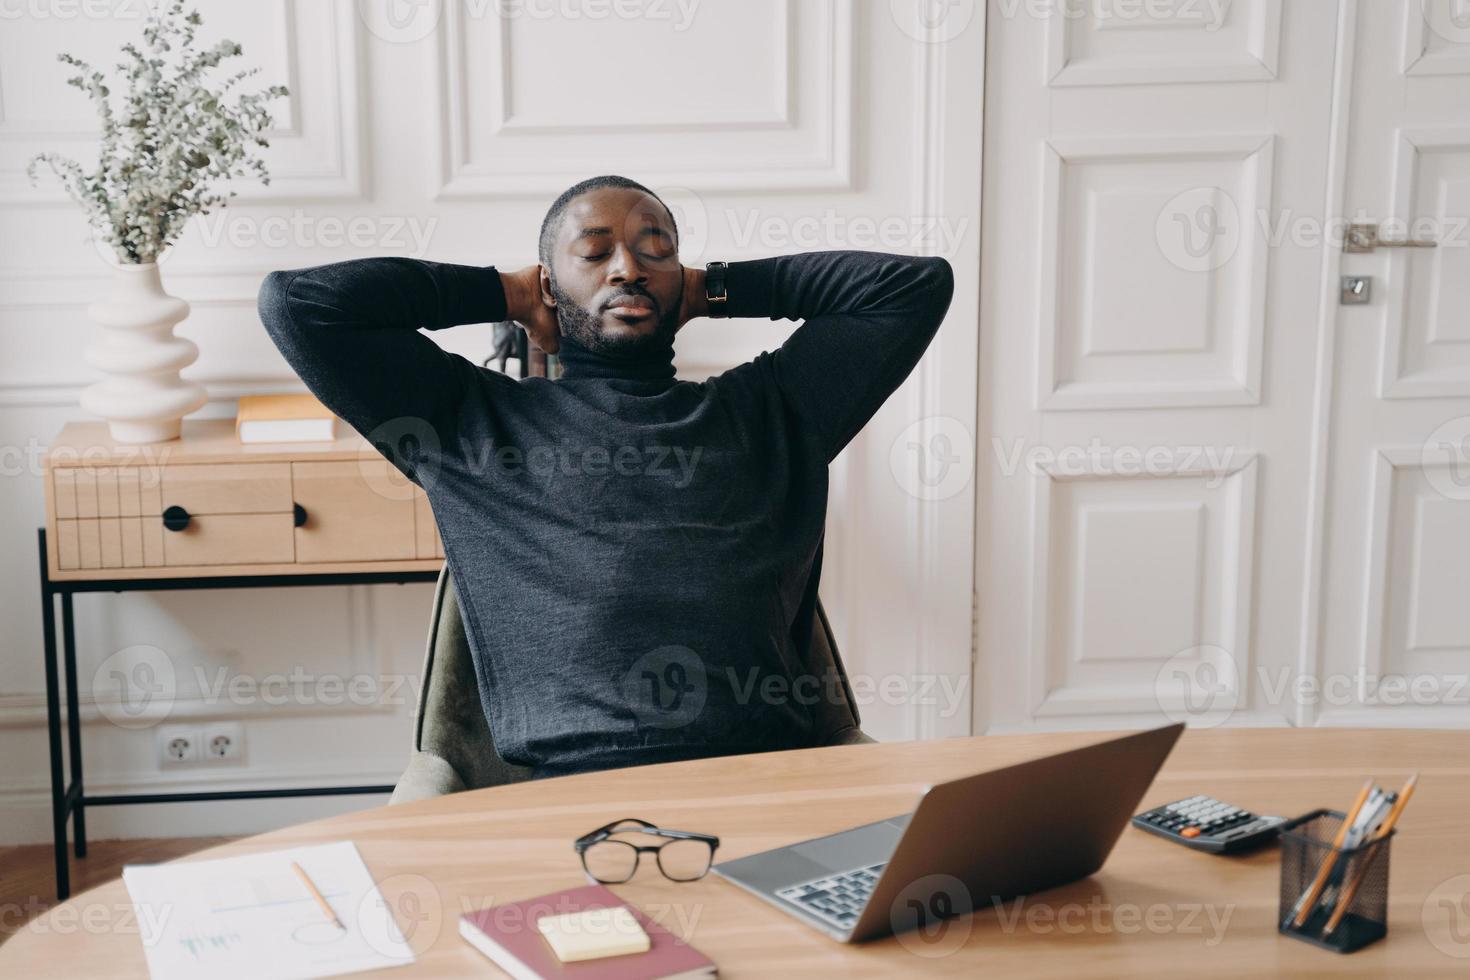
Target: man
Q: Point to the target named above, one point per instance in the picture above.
(636, 557)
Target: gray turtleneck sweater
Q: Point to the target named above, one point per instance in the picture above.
(636, 557)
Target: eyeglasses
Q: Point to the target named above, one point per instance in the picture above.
(683, 856)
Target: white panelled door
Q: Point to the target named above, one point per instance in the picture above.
(1155, 296)
(1396, 626)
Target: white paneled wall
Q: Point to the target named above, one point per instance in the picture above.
(442, 130)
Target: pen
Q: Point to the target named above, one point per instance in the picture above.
(305, 880)
(1383, 831)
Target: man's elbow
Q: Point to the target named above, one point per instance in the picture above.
(940, 276)
(273, 301)
(934, 283)
(272, 294)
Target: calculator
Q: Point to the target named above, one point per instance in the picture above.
(1206, 824)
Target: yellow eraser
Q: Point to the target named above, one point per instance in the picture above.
(593, 934)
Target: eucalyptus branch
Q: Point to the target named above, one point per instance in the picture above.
(173, 144)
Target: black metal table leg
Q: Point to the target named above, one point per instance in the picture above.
(68, 798)
(53, 731)
(73, 728)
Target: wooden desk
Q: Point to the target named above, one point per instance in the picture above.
(1154, 907)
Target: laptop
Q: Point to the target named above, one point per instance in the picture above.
(971, 841)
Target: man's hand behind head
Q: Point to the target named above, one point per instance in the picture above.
(525, 304)
(695, 304)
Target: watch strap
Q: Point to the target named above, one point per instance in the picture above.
(715, 296)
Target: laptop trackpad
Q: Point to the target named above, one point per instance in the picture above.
(854, 848)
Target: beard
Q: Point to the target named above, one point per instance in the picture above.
(585, 326)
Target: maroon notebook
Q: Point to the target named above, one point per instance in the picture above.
(508, 935)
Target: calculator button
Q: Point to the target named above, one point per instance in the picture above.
(1189, 832)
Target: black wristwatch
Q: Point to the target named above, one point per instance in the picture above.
(714, 289)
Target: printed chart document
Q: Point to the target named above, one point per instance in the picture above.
(252, 916)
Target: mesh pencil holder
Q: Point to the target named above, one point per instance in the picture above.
(1356, 877)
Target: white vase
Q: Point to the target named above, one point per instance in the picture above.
(142, 398)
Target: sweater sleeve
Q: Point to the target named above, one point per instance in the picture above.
(868, 318)
(351, 331)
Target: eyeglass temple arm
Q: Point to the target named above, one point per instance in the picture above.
(684, 835)
(605, 831)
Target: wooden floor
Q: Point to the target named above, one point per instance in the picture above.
(27, 875)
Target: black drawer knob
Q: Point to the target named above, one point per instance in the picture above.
(176, 518)
(298, 514)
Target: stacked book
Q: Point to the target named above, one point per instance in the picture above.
(284, 418)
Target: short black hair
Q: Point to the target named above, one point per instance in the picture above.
(552, 221)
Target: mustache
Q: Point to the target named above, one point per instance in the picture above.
(632, 289)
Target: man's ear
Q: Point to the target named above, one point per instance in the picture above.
(545, 280)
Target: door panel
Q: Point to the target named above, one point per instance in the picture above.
(1130, 324)
(1426, 326)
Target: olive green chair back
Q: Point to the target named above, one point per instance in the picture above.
(453, 749)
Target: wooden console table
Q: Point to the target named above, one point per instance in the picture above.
(206, 512)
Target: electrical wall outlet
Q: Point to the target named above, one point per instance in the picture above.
(178, 745)
(224, 741)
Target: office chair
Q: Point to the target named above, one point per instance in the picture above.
(453, 749)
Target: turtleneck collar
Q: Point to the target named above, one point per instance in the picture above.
(577, 362)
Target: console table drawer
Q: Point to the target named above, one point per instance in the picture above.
(231, 539)
(228, 488)
(357, 511)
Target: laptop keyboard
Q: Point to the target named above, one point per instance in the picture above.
(837, 899)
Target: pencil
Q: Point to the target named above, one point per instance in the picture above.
(305, 880)
(1346, 898)
(1305, 903)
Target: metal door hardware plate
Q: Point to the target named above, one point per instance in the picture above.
(1357, 290)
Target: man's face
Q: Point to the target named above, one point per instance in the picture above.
(615, 275)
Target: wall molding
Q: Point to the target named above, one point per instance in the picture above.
(941, 533)
(342, 177)
(459, 178)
